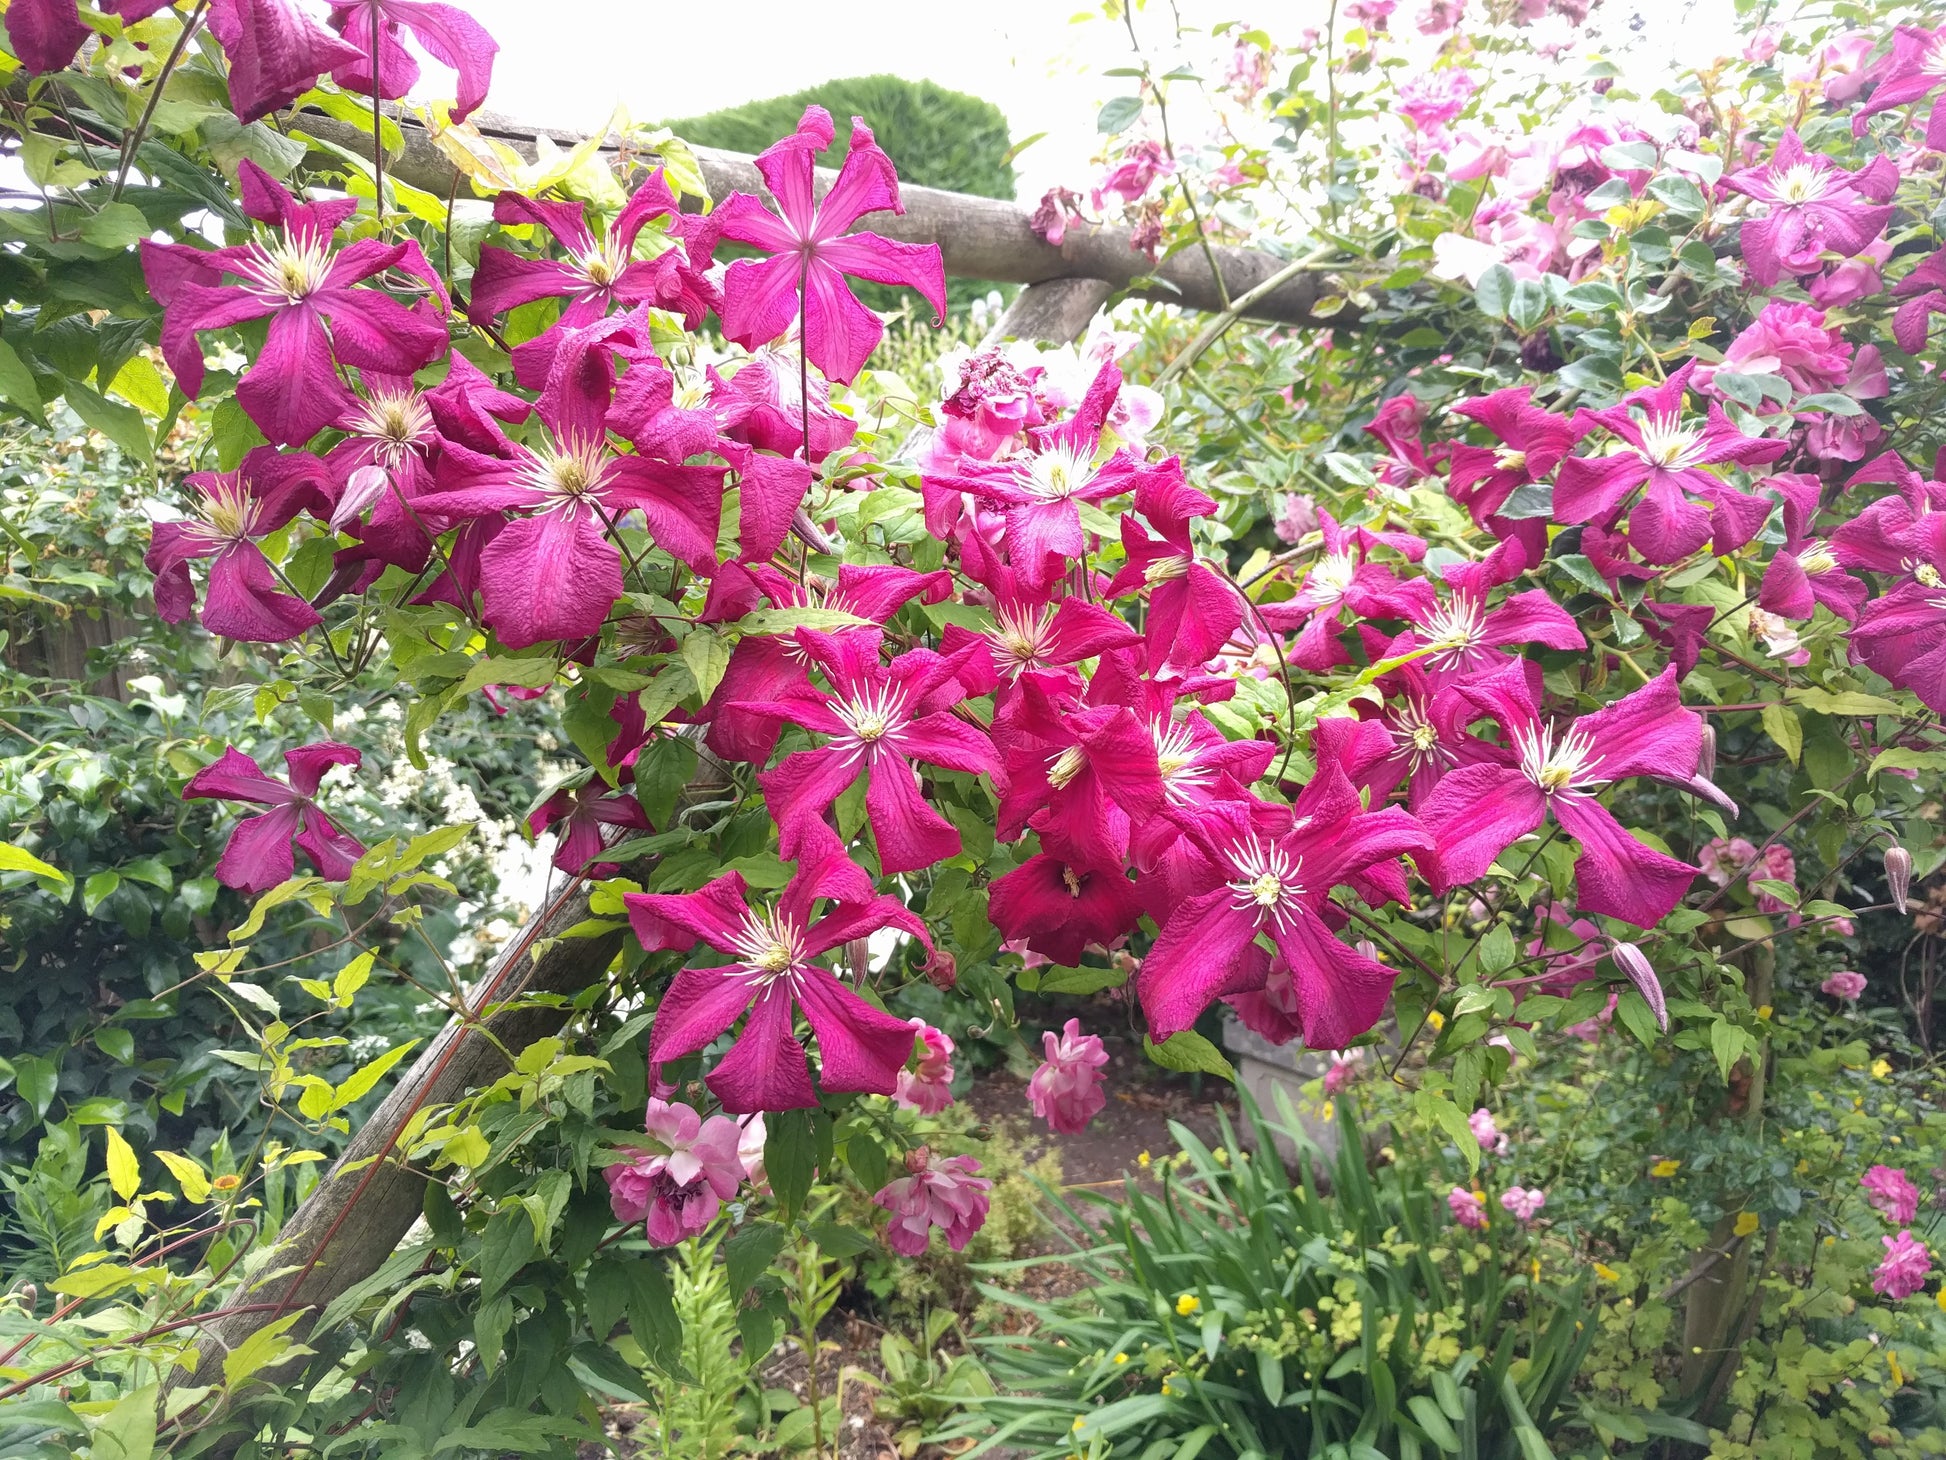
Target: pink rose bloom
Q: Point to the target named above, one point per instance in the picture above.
(1852, 279)
(1141, 164)
(751, 1135)
(1249, 69)
(944, 1194)
(1066, 1091)
(1344, 1069)
(1502, 234)
(1844, 984)
(1467, 1208)
(1903, 1272)
(677, 1194)
(929, 1088)
(1891, 1193)
(1721, 860)
(1434, 99)
(1296, 517)
(1489, 1135)
(1778, 866)
(1840, 65)
(1440, 16)
(1791, 340)
(1762, 46)
(1059, 209)
(1524, 1203)
(1372, 14)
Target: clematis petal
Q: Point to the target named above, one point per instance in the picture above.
(1591, 488)
(244, 602)
(1616, 874)
(454, 39)
(554, 575)
(839, 332)
(766, 1069)
(943, 739)
(799, 790)
(911, 835)
(887, 261)
(859, 1047)
(1195, 960)
(276, 53)
(308, 763)
(700, 1004)
(760, 300)
(714, 915)
(292, 390)
(332, 850)
(234, 776)
(46, 34)
(1474, 814)
(259, 854)
(770, 490)
(1340, 992)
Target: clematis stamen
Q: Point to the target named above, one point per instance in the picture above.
(1265, 879)
(1558, 765)
(769, 944)
(286, 269)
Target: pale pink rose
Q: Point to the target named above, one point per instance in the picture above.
(1721, 860)
(1431, 100)
(928, 1088)
(1523, 1203)
(677, 1192)
(1844, 984)
(1489, 1135)
(946, 1194)
(1296, 516)
(1789, 340)
(1904, 1268)
(1066, 1091)
(1778, 866)
(1762, 45)
(1891, 1193)
(1468, 1208)
(1345, 1068)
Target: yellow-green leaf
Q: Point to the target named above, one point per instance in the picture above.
(707, 656)
(1782, 725)
(189, 1176)
(1846, 702)
(124, 1172)
(267, 1346)
(369, 1075)
(140, 384)
(19, 859)
(351, 978)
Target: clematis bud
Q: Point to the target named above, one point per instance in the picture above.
(1706, 762)
(1898, 875)
(1635, 963)
(942, 969)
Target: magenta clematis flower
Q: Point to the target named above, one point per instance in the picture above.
(262, 851)
(1815, 207)
(48, 34)
(1479, 811)
(1192, 609)
(276, 52)
(773, 972)
(1343, 579)
(447, 33)
(1664, 456)
(762, 667)
(1418, 737)
(1072, 773)
(812, 252)
(318, 318)
(1847, 985)
(763, 404)
(1468, 1208)
(581, 812)
(879, 719)
(1904, 1268)
(928, 1088)
(556, 572)
(1533, 441)
(677, 1192)
(1031, 633)
(1466, 637)
(233, 510)
(1902, 634)
(1277, 882)
(598, 272)
(1067, 1090)
(1913, 71)
(941, 1193)
(1922, 294)
(1805, 572)
(1059, 909)
(1523, 1203)
(1891, 1193)
(1039, 490)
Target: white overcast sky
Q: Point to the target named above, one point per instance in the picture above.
(569, 62)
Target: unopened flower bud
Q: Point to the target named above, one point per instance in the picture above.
(1367, 948)
(918, 1158)
(1898, 875)
(942, 969)
(1635, 963)
(1706, 762)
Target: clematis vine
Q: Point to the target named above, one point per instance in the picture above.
(771, 975)
(262, 851)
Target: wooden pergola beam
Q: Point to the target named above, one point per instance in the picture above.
(980, 238)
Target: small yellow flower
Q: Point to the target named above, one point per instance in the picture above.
(1746, 1223)
(1437, 1020)
(227, 1182)
(1143, 1160)
(1606, 1273)
(1763, 1014)
(1327, 1111)
(1121, 1358)
(1079, 1421)
(1802, 1167)
(1188, 1303)
(1892, 1362)
(1534, 1268)
(1831, 1242)
(1167, 1392)
(1881, 1068)
(1665, 1167)
(1940, 1298)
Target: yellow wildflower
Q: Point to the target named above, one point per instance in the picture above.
(1665, 1167)
(1143, 1160)
(1940, 1298)
(1764, 1013)
(1188, 1303)
(1606, 1273)
(1437, 1020)
(1892, 1362)
(1327, 1111)
(1121, 1358)
(1881, 1068)
(1746, 1223)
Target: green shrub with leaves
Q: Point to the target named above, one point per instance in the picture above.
(1246, 1310)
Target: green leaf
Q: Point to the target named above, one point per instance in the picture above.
(1900, 759)
(140, 384)
(1449, 1118)
(528, 673)
(98, 889)
(121, 424)
(1783, 726)
(610, 1371)
(750, 1251)
(1495, 291)
(504, 1251)
(706, 655)
(1188, 1051)
(262, 1349)
(116, 226)
(124, 1171)
(17, 385)
(127, 1431)
(36, 1080)
(787, 620)
(351, 978)
(361, 1082)
(1437, 1427)
(1118, 114)
(652, 1314)
(19, 859)
(233, 434)
(790, 1154)
(1846, 702)
(1497, 951)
